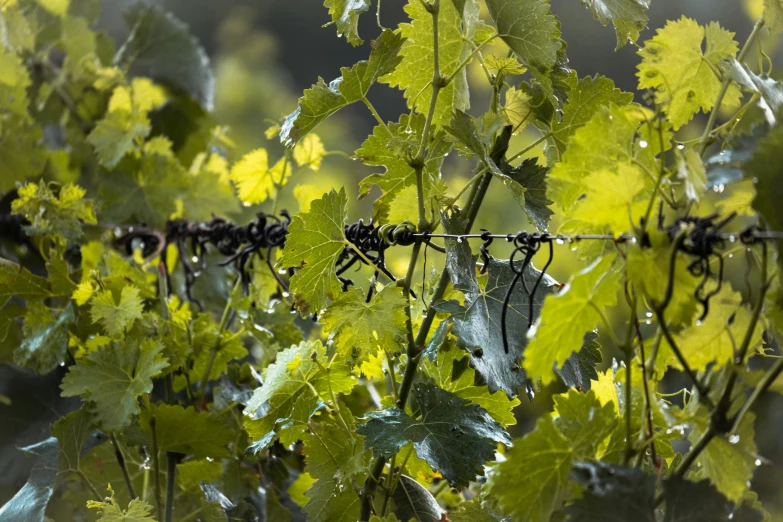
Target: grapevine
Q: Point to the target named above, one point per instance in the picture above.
(230, 343)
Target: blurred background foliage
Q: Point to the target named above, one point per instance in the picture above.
(265, 53)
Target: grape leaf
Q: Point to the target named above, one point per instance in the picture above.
(209, 190)
(690, 169)
(442, 371)
(773, 15)
(160, 47)
(454, 436)
(322, 100)
(473, 512)
(566, 316)
(613, 494)
(517, 109)
(769, 190)
(602, 144)
(533, 497)
(579, 369)
(53, 214)
(364, 328)
(345, 13)
(455, 30)
(715, 339)
(22, 154)
(116, 317)
(45, 344)
(682, 75)
(186, 431)
(254, 179)
(532, 176)
(468, 131)
(75, 436)
(628, 17)
(688, 501)
(389, 149)
(478, 328)
(29, 503)
(293, 374)
(113, 377)
(729, 466)
(582, 420)
(412, 501)
(586, 97)
(333, 457)
(309, 152)
(769, 91)
(110, 511)
(17, 281)
(529, 29)
(191, 472)
(315, 240)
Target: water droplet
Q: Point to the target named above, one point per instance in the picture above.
(117, 231)
(611, 117)
(731, 255)
(680, 146)
(758, 462)
(209, 459)
(731, 516)
(560, 241)
(648, 314)
(643, 144)
(281, 270)
(732, 238)
(459, 239)
(286, 294)
(648, 322)
(734, 439)
(573, 247)
(755, 180)
(62, 364)
(245, 204)
(194, 259)
(699, 322)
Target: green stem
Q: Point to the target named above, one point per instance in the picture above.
(468, 59)
(390, 362)
(772, 374)
(377, 116)
(725, 87)
(529, 147)
(155, 460)
(121, 461)
(171, 474)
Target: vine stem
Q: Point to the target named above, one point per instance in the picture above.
(155, 460)
(447, 80)
(376, 115)
(121, 461)
(705, 137)
(530, 147)
(224, 321)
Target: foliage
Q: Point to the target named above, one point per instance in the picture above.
(222, 365)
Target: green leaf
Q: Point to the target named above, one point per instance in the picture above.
(729, 466)
(255, 180)
(628, 17)
(176, 58)
(29, 503)
(769, 189)
(478, 328)
(73, 433)
(690, 169)
(454, 436)
(601, 145)
(473, 512)
(13, 84)
(469, 131)
(688, 501)
(412, 501)
(773, 15)
(45, 344)
(586, 97)
(770, 92)
(345, 13)
(533, 178)
(116, 317)
(315, 240)
(584, 421)
(322, 100)
(567, 316)
(390, 149)
(22, 154)
(17, 281)
(191, 472)
(443, 370)
(613, 494)
(59, 214)
(110, 511)
(455, 30)
(113, 377)
(682, 75)
(333, 457)
(714, 340)
(360, 329)
(298, 372)
(579, 369)
(533, 496)
(529, 29)
(186, 431)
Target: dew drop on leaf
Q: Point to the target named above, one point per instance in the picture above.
(734, 439)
